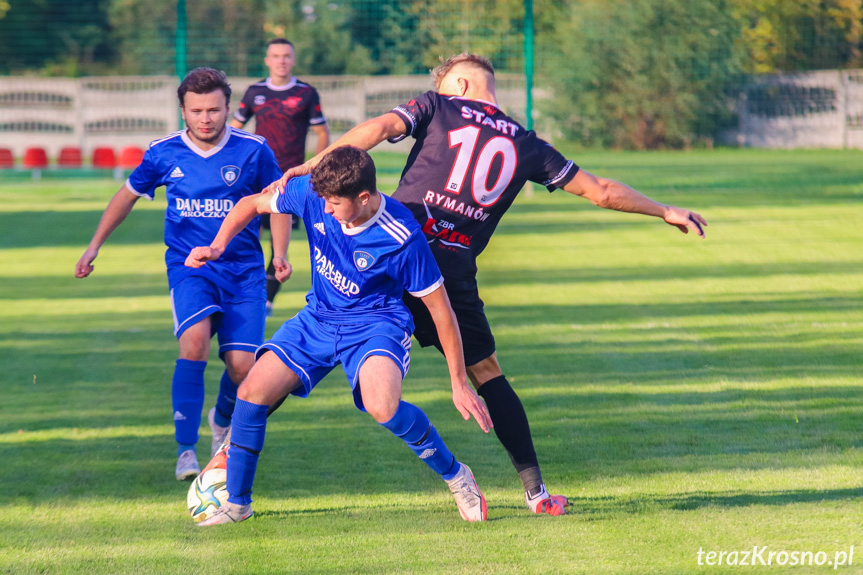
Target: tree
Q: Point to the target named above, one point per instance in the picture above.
(803, 35)
(55, 36)
(228, 35)
(642, 74)
(321, 34)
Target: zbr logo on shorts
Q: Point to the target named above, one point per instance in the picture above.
(363, 260)
(230, 174)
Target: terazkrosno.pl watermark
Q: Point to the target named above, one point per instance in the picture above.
(764, 556)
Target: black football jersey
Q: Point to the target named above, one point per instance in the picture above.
(283, 115)
(469, 162)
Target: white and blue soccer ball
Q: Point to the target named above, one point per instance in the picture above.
(207, 493)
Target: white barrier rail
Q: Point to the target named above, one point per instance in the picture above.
(116, 112)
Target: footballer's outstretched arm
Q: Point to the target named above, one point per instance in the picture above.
(118, 208)
(614, 195)
(237, 219)
(364, 136)
(463, 396)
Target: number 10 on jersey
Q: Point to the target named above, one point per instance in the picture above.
(483, 194)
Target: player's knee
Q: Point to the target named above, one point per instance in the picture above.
(199, 352)
(484, 371)
(238, 373)
(381, 387)
(247, 393)
(262, 391)
(194, 348)
(238, 364)
(382, 409)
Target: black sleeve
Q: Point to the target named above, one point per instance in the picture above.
(416, 114)
(550, 168)
(316, 115)
(246, 109)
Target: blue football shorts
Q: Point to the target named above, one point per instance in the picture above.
(312, 348)
(238, 319)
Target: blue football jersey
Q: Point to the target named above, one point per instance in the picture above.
(201, 188)
(360, 274)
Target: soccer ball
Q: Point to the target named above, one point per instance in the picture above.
(207, 493)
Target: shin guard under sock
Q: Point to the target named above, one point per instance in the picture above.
(187, 398)
(226, 400)
(511, 427)
(248, 429)
(411, 425)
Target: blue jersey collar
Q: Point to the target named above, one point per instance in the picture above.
(212, 151)
(371, 221)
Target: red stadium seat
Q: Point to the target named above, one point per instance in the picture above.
(104, 158)
(7, 160)
(131, 157)
(35, 158)
(69, 157)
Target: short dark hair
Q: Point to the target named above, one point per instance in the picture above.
(280, 41)
(344, 173)
(204, 81)
(473, 60)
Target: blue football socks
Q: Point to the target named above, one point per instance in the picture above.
(248, 428)
(187, 397)
(226, 400)
(412, 426)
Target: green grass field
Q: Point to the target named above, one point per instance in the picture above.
(684, 394)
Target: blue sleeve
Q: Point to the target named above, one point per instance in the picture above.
(293, 200)
(146, 177)
(416, 268)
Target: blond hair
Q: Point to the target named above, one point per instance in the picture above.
(446, 66)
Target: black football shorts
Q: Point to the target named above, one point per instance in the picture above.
(265, 222)
(476, 336)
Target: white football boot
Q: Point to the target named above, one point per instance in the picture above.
(187, 465)
(228, 513)
(468, 497)
(219, 433)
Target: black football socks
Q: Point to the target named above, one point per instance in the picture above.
(512, 429)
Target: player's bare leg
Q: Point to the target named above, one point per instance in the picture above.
(513, 431)
(381, 391)
(380, 387)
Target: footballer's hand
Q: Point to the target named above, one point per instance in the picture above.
(84, 267)
(201, 255)
(297, 171)
(468, 403)
(278, 186)
(283, 269)
(684, 220)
